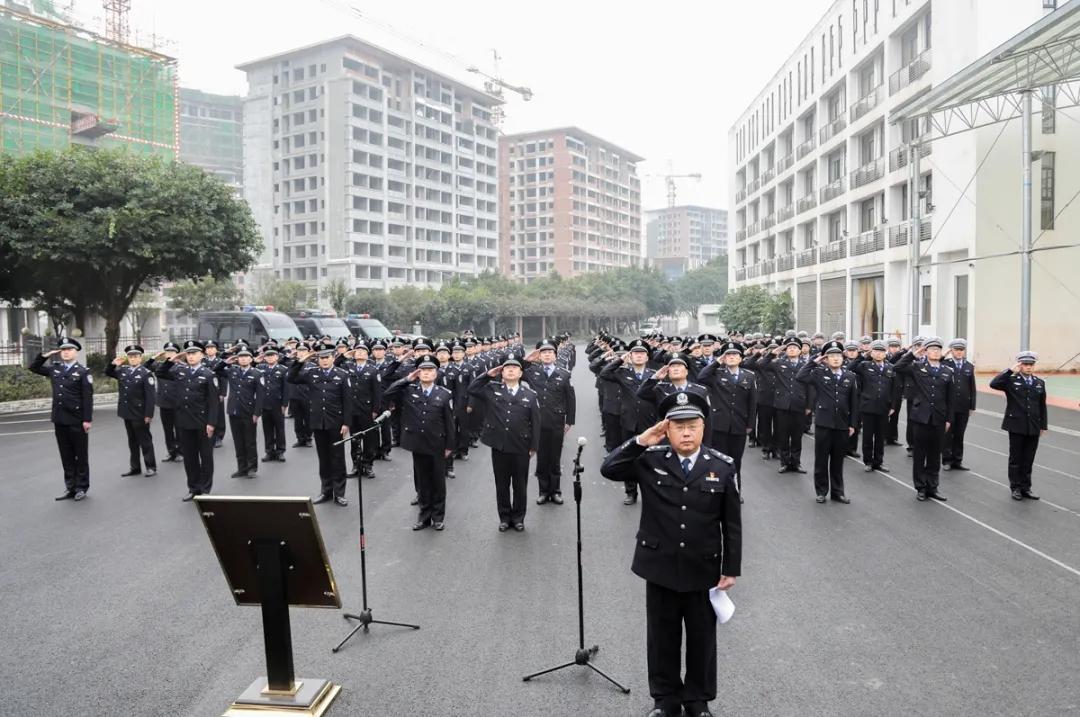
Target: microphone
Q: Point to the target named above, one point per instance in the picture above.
(382, 416)
(581, 441)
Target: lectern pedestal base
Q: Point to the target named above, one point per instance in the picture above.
(311, 699)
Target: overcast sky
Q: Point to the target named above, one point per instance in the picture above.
(663, 79)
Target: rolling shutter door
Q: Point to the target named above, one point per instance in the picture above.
(833, 305)
(806, 311)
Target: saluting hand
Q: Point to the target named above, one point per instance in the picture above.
(52, 353)
(495, 372)
(533, 356)
(1015, 368)
(118, 361)
(661, 374)
(654, 434)
(414, 375)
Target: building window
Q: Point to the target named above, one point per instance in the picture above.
(1048, 190)
(925, 318)
(960, 327)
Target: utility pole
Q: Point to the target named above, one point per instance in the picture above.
(1025, 214)
(914, 233)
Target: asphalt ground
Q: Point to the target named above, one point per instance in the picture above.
(886, 606)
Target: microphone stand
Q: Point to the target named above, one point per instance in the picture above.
(583, 656)
(364, 617)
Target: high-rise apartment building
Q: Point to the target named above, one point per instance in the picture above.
(570, 202)
(680, 239)
(211, 134)
(362, 165)
(820, 183)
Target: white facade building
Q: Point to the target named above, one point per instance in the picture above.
(362, 165)
(820, 185)
(684, 238)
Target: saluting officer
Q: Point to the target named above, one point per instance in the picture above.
(366, 399)
(196, 389)
(672, 378)
(1025, 419)
(609, 393)
(733, 402)
(964, 392)
(330, 404)
(791, 400)
(878, 392)
(167, 403)
(244, 406)
(635, 414)
(213, 361)
(930, 412)
(72, 413)
(135, 405)
(427, 431)
(385, 365)
(275, 402)
(893, 354)
(836, 411)
(689, 540)
(558, 408)
(512, 430)
(463, 376)
(299, 402)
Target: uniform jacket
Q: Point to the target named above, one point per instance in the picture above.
(1025, 405)
(655, 391)
(367, 388)
(789, 394)
(691, 528)
(766, 383)
(609, 390)
(931, 394)
(329, 395)
(836, 399)
(72, 391)
(245, 389)
(297, 391)
(213, 364)
(427, 422)
(197, 395)
(458, 377)
(733, 400)
(511, 423)
(964, 390)
(635, 414)
(558, 402)
(138, 391)
(879, 388)
(275, 387)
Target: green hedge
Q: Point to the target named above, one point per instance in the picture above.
(18, 384)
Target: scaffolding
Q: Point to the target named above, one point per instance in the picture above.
(60, 85)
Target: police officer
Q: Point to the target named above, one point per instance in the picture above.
(952, 453)
(733, 401)
(1025, 419)
(608, 393)
(330, 405)
(299, 401)
(878, 391)
(213, 361)
(462, 373)
(689, 540)
(427, 431)
(893, 354)
(244, 406)
(135, 406)
(72, 413)
(836, 411)
(512, 430)
(367, 396)
(196, 389)
(385, 365)
(167, 404)
(275, 402)
(766, 392)
(558, 408)
(791, 400)
(930, 412)
(673, 378)
(635, 414)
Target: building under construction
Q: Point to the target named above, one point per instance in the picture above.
(62, 85)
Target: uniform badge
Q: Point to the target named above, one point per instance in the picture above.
(712, 478)
(90, 378)
(681, 399)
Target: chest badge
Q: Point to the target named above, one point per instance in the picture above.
(712, 477)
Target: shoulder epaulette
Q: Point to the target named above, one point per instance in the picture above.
(722, 456)
(658, 447)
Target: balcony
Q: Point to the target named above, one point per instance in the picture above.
(867, 242)
(834, 251)
(740, 274)
(753, 229)
(740, 195)
(870, 172)
(833, 190)
(785, 213)
(900, 157)
(740, 235)
(753, 186)
(868, 102)
(785, 262)
(785, 163)
(898, 235)
(909, 73)
(768, 175)
(768, 267)
(806, 257)
(805, 148)
(768, 222)
(753, 272)
(832, 129)
(806, 203)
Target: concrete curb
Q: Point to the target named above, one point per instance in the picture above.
(37, 404)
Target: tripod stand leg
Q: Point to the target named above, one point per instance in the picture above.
(526, 678)
(395, 624)
(358, 628)
(594, 668)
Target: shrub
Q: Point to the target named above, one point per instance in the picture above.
(18, 384)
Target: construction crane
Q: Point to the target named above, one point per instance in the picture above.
(117, 26)
(669, 179)
(494, 86)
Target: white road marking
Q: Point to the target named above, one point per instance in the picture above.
(1053, 429)
(1037, 465)
(32, 420)
(23, 433)
(1042, 444)
(1006, 485)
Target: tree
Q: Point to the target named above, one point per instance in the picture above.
(337, 292)
(144, 307)
(190, 298)
(285, 296)
(745, 309)
(96, 226)
(780, 313)
(705, 285)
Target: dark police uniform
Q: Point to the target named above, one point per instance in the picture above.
(558, 408)
(299, 410)
(427, 431)
(275, 401)
(733, 403)
(610, 403)
(72, 405)
(167, 404)
(512, 430)
(931, 407)
(330, 406)
(462, 373)
(655, 392)
(766, 410)
(836, 410)
(135, 406)
(790, 400)
(690, 535)
(367, 396)
(879, 390)
(244, 406)
(1025, 418)
(197, 407)
(635, 414)
(964, 392)
(223, 390)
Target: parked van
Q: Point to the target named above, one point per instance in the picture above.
(363, 326)
(320, 323)
(254, 324)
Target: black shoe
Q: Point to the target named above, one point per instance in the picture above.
(298, 444)
(1026, 493)
(661, 712)
(868, 469)
(323, 498)
(385, 457)
(629, 500)
(463, 456)
(354, 473)
(218, 443)
(280, 457)
(909, 450)
(820, 499)
(557, 499)
(420, 525)
(438, 525)
(853, 454)
(341, 500)
(936, 496)
(171, 458)
(892, 443)
(251, 473)
(946, 467)
(920, 495)
(519, 527)
(239, 474)
(783, 469)
(1016, 495)
(132, 472)
(798, 469)
(188, 498)
(542, 499)
(960, 467)
(268, 457)
(415, 500)
(450, 475)
(881, 467)
(79, 495)
(150, 472)
(697, 709)
(841, 499)
(503, 527)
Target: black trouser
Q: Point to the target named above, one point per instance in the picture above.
(612, 431)
(1022, 449)
(74, 447)
(168, 429)
(385, 438)
(363, 447)
(808, 421)
(789, 433)
(893, 431)
(765, 437)
(331, 462)
(909, 432)
(273, 428)
(952, 452)
(219, 427)
(874, 426)
(243, 438)
(198, 450)
(927, 454)
(139, 439)
(830, 447)
(461, 435)
(734, 445)
(626, 434)
(429, 474)
(300, 412)
(511, 471)
(548, 457)
(666, 611)
(395, 427)
(853, 441)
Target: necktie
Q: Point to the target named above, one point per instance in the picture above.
(638, 376)
(686, 467)
(427, 392)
